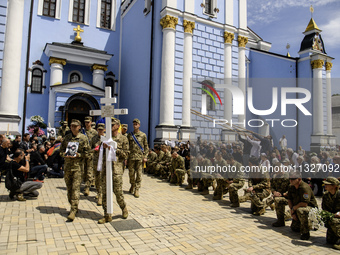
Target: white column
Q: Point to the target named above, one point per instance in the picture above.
(56, 77)
(242, 16)
(317, 97)
(229, 12)
(9, 97)
(98, 76)
(168, 71)
(329, 97)
(228, 39)
(242, 41)
(187, 73)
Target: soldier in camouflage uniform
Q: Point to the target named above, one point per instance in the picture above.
(279, 189)
(150, 159)
(122, 153)
(159, 158)
(73, 165)
(95, 146)
(192, 174)
(162, 168)
(137, 157)
(177, 169)
(259, 186)
(300, 201)
(124, 129)
(88, 166)
(331, 203)
(63, 129)
(219, 177)
(207, 178)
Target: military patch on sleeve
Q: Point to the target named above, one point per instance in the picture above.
(305, 196)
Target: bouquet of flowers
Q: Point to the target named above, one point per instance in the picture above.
(38, 122)
(319, 217)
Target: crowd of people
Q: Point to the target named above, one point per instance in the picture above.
(77, 155)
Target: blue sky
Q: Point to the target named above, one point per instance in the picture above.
(283, 21)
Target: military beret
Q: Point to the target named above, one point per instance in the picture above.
(75, 122)
(88, 119)
(115, 121)
(136, 120)
(331, 180)
(101, 126)
(125, 126)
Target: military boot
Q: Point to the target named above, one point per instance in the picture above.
(279, 223)
(189, 186)
(305, 236)
(260, 212)
(217, 196)
(86, 191)
(205, 192)
(72, 214)
(235, 205)
(21, 197)
(136, 193)
(100, 200)
(107, 218)
(132, 188)
(125, 213)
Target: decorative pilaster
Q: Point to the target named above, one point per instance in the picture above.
(317, 66)
(10, 87)
(242, 41)
(56, 77)
(189, 26)
(169, 22)
(98, 75)
(329, 97)
(228, 37)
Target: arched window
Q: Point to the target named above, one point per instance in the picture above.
(37, 80)
(49, 8)
(210, 101)
(74, 77)
(78, 11)
(105, 19)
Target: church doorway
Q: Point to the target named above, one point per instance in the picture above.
(78, 107)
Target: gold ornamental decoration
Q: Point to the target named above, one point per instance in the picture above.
(189, 26)
(318, 63)
(78, 30)
(329, 66)
(57, 61)
(99, 67)
(242, 41)
(228, 37)
(169, 22)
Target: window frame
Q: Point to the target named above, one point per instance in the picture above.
(210, 102)
(36, 65)
(86, 13)
(213, 4)
(75, 72)
(113, 15)
(57, 9)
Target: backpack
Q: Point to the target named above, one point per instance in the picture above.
(12, 183)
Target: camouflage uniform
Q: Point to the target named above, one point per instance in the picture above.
(122, 153)
(158, 159)
(207, 179)
(136, 156)
(220, 180)
(72, 167)
(303, 194)
(151, 158)
(177, 170)
(261, 189)
(88, 166)
(62, 130)
(162, 168)
(331, 203)
(94, 143)
(192, 174)
(279, 183)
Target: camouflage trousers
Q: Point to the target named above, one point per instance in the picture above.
(232, 188)
(256, 199)
(87, 171)
(280, 204)
(135, 172)
(162, 170)
(302, 224)
(206, 181)
(72, 181)
(151, 167)
(117, 181)
(191, 177)
(333, 231)
(180, 174)
(97, 176)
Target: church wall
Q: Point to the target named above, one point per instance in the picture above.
(3, 13)
(135, 66)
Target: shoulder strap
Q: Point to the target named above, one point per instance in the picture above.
(136, 141)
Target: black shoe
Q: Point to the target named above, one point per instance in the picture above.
(11, 194)
(305, 236)
(278, 224)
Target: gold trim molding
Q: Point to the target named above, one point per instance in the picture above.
(169, 22)
(329, 66)
(99, 67)
(57, 61)
(189, 26)
(228, 37)
(242, 41)
(318, 63)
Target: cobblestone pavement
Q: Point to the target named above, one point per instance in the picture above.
(166, 219)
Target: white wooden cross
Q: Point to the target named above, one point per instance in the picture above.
(108, 111)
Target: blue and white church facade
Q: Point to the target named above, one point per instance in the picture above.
(58, 56)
